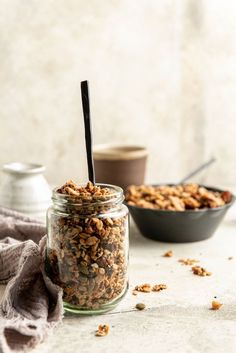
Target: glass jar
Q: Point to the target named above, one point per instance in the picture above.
(87, 250)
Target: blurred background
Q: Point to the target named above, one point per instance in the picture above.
(162, 74)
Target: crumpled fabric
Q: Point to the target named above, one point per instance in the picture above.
(31, 304)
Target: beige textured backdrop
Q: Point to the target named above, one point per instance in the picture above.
(162, 74)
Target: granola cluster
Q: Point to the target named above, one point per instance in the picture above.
(159, 287)
(168, 254)
(102, 330)
(87, 247)
(188, 262)
(176, 198)
(200, 271)
(87, 193)
(147, 288)
(215, 305)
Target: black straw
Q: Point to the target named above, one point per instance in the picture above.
(198, 170)
(87, 127)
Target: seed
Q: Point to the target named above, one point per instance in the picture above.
(109, 221)
(91, 241)
(140, 306)
(82, 241)
(99, 225)
(101, 271)
(84, 235)
(83, 269)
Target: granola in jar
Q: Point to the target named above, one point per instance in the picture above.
(87, 247)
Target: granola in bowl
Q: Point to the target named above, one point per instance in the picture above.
(176, 197)
(177, 213)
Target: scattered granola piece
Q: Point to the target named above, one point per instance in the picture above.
(140, 306)
(200, 271)
(159, 287)
(230, 258)
(135, 292)
(215, 305)
(168, 253)
(102, 330)
(146, 288)
(188, 262)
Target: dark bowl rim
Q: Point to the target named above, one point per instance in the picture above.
(201, 210)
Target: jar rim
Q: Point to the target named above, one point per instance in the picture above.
(117, 194)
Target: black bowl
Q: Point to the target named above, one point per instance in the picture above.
(179, 226)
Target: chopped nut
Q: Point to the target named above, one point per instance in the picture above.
(102, 330)
(159, 287)
(200, 271)
(168, 253)
(188, 262)
(146, 288)
(215, 305)
(140, 306)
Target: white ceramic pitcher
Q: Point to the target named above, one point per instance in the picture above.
(24, 188)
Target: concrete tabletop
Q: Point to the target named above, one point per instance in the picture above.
(177, 319)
